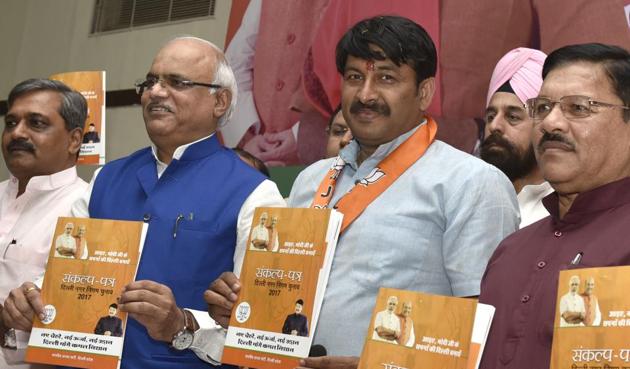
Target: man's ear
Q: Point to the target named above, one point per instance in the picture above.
(76, 138)
(425, 92)
(223, 100)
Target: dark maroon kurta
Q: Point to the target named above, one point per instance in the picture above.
(521, 280)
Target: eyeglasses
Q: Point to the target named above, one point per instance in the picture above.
(573, 107)
(174, 83)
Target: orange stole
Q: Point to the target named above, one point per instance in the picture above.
(406, 324)
(590, 302)
(386, 172)
(80, 247)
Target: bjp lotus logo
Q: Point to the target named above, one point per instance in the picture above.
(373, 177)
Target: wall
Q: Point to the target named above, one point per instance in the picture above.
(43, 37)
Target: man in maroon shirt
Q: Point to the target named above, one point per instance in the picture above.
(581, 135)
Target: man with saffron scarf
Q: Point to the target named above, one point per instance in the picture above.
(419, 216)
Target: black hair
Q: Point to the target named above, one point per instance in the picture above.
(73, 108)
(257, 163)
(401, 40)
(614, 60)
(300, 301)
(334, 114)
(114, 305)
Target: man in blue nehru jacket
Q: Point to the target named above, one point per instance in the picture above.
(197, 197)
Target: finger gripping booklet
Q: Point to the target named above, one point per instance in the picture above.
(89, 263)
(284, 275)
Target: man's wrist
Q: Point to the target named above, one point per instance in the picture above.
(194, 325)
(181, 323)
(185, 337)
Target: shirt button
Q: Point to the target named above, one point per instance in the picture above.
(557, 233)
(279, 85)
(146, 217)
(290, 38)
(541, 264)
(524, 298)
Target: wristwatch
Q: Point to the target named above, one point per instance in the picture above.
(183, 339)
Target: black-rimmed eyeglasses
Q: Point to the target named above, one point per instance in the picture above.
(175, 83)
(572, 107)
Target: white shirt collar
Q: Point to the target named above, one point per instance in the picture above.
(535, 191)
(179, 152)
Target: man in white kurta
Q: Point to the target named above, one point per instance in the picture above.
(386, 323)
(43, 186)
(260, 235)
(572, 309)
(507, 140)
(65, 244)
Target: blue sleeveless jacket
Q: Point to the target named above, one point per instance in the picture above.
(192, 212)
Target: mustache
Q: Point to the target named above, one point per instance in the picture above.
(376, 107)
(551, 136)
(155, 104)
(20, 145)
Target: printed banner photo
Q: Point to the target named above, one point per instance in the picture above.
(92, 86)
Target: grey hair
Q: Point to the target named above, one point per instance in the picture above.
(223, 76)
(73, 108)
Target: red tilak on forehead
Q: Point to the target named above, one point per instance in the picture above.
(369, 65)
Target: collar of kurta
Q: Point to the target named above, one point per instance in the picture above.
(591, 203)
(48, 182)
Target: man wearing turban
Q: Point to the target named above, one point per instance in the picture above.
(508, 131)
